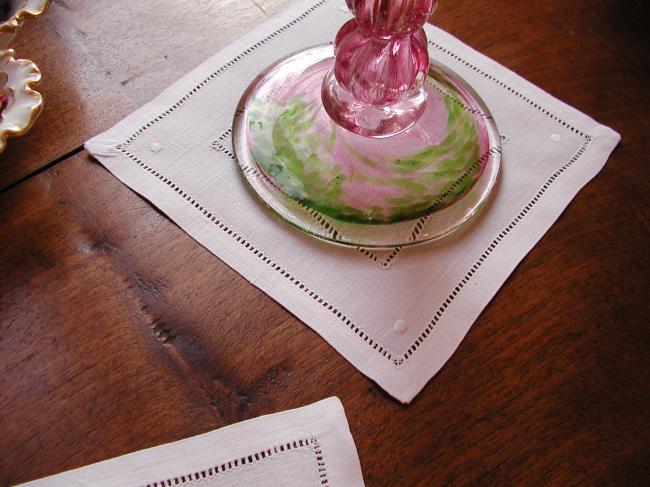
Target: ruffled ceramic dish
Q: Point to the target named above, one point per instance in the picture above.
(20, 105)
(12, 15)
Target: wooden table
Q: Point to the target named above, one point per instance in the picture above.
(119, 332)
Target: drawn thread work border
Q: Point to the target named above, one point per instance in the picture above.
(242, 462)
(397, 360)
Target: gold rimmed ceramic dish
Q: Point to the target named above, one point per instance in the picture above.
(12, 15)
(20, 105)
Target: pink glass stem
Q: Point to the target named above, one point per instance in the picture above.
(375, 88)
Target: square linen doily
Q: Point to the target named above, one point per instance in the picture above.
(397, 316)
(309, 446)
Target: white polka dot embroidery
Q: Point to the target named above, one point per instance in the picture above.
(399, 326)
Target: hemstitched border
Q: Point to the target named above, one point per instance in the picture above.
(238, 463)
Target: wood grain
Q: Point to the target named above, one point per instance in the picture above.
(119, 332)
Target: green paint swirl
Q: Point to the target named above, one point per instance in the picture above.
(302, 165)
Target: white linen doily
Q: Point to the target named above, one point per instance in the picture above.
(397, 316)
(310, 446)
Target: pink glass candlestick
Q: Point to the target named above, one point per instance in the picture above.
(368, 143)
(381, 61)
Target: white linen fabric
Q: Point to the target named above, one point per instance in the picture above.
(397, 316)
(310, 446)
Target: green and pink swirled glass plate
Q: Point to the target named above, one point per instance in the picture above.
(408, 188)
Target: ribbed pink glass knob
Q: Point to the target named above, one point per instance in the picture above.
(375, 88)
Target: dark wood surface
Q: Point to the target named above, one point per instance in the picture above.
(119, 332)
